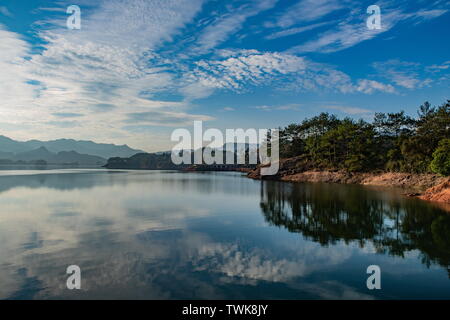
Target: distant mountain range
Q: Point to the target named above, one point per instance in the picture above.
(64, 157)
(10, 147)
(62, 151)
(149, 161)
(68, 151)
(163, 160)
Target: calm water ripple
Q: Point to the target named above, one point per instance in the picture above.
(172, 235)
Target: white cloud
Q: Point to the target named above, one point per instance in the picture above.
(16, 93)
(264, 108)
(430, 14)
(286, 107)
(163, 118)
(109, 62)
(353, 30)
(306, 11)
(258, 264)
(230, 23)
(347, 33)
(293, 31)
(248, 68)
(439, 67)
(348, 110)
(119, 62)
(292, 106)
(405, 74)
(334, 290)
(370, 86)
(137, 24)
(237, 71)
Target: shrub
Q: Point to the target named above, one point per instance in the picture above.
(441, 158)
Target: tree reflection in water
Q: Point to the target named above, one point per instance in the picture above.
(328, 213)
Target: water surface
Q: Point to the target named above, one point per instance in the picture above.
(172, 235)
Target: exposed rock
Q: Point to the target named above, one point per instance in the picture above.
(296, 170)
(439, 193)
(404, 180)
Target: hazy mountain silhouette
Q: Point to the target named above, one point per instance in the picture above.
(163, 160)
(72, 156)
(8, 146)
(39, 154)
(63, 157)
(6, 155)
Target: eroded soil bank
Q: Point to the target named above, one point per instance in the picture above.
(439, 193)
(429, 187)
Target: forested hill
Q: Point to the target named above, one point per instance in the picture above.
(391, 142)
(10, 147)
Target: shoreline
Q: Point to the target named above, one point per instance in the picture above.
(428, 187)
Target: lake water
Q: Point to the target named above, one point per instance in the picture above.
(173, 235)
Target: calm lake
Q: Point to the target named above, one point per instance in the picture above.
(173, 235)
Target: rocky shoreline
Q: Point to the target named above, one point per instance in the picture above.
(439, 193)
(430, 187)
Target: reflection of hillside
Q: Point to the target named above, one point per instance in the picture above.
(66, 181)
(200, 182)
(329, 213)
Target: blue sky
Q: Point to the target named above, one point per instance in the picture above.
(139, 69)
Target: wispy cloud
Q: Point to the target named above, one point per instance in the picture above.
(237, 71)
(371, 86)
(430, 14)
(348, 110)
(347, 33)
(409, 75)
(49, 9)
(4, 11)
(107, 79)
(15, 90)
(67, 115)
(230, 23)
(292, 31)
(439, 67)
(228, 109)
(107, 65)
(286, 107)
(250, 67)
(64, 124)
(352, 29)
(163, 118)
(306, 11)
